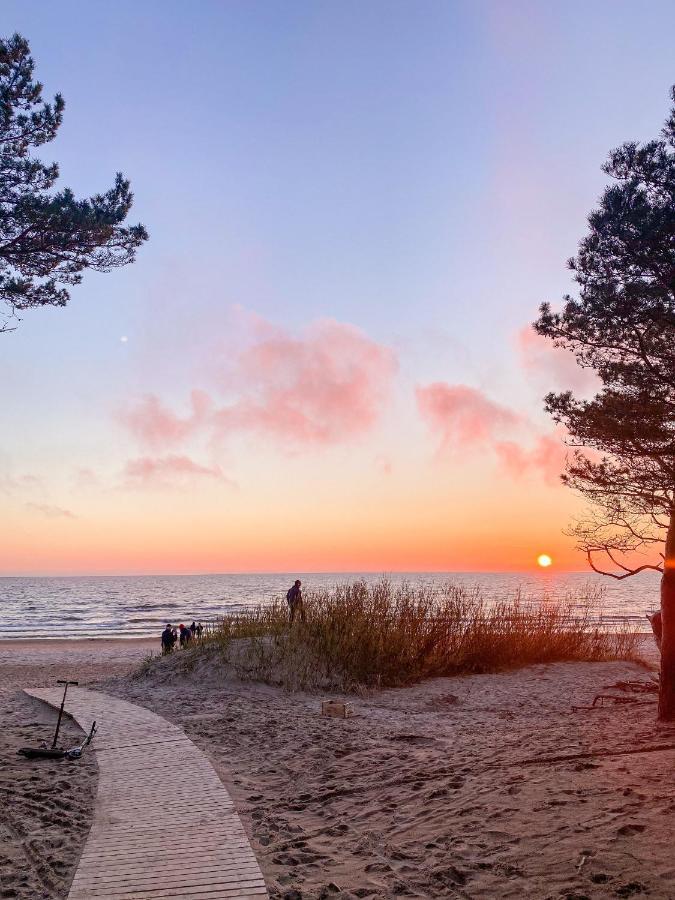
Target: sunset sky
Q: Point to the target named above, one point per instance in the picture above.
(321, 359)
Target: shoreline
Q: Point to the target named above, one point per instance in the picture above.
(30, 643)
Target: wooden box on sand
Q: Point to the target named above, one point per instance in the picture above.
(337, 709)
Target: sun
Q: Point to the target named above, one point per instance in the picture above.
(544, 560)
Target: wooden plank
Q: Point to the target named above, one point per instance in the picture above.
(198, 891)
(223, 869)
(164, 825)
(122, 867)
(205, 880)
(127, 851)
(94, 874)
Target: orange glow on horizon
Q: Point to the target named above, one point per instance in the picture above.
(350, 522)
(122, 545)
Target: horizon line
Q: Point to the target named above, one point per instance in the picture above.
(290, 572)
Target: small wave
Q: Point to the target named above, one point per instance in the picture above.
(145, 621)
(129, 606)
(150, 607)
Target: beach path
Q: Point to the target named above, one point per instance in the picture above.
(164, 825)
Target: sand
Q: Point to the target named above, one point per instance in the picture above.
(46, 806)
(26, 663)
(484, 786)
(444, 789)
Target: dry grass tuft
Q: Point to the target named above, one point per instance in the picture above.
(359, 635)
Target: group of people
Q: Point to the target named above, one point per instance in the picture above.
(183, 635)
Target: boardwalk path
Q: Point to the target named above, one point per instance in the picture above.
(164, 825)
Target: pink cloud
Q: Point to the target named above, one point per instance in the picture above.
(85, 478)
(324, 387)
(384, 464)
(168, 471)
(539, 357)
(17, 484)
(51, 512)
(462, 416)
(157, 427)
(547, 457)
(466, 419)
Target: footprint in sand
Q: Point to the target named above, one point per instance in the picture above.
(415, 740)
(443, 701)
(631, 889)
(627, 830)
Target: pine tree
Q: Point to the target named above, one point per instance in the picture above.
(48, 237)
(623, 326)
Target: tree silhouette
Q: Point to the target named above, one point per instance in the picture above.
(623, 326)
(47, 238)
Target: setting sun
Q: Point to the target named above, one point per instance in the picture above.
(544, 560)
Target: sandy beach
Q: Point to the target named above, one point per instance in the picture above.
(40, 663)
(481, 786)
(46, 806)
(477, 787)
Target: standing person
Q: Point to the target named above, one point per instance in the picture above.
(185, 636)
(294, 600)
(200, 629)
(168, 639)
(193, 628)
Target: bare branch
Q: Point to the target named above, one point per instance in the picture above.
(628, 573)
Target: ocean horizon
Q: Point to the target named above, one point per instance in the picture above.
(133, 606)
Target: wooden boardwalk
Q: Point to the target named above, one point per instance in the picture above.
(164, 825)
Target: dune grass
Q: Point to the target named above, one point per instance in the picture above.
(383, 635)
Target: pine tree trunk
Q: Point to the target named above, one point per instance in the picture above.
(667, 689)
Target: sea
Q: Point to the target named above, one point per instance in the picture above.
(139, 606)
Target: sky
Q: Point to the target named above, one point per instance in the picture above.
(322, 359)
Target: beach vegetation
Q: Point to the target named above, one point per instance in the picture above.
(359, 635)
(146, 665)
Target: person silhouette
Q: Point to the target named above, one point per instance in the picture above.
(295, 604)
(168, 638)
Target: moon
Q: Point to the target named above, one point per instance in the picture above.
(544, 560)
